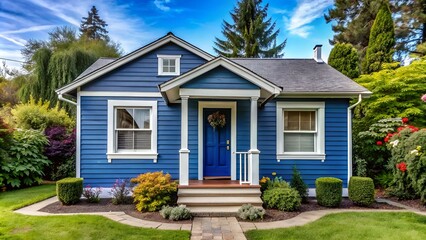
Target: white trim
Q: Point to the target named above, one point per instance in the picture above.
(184, 151)
(233, 107)
(365, 94)
(148, 154)
(223, 93)
(253, 123)
(320, 144)
(170, 57)
(221, 61)
(312, 192)
(119, 94)
(169, 38)
(78, 136)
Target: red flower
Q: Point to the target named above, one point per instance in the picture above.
(405, 120)
(413, 129)
(390, 135)
(402, 166)
(379, 143)
(387, 139)
(400, 129)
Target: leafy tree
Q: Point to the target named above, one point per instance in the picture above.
(251, 34)
(381, 42)
(344, 58)
(93, 27)
(396, 93)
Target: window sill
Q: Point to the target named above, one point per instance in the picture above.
(133, 155)
(168, 74)
(300, 156)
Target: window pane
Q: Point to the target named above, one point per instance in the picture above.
(124, 118)
(124, 140)
(142, 118)
(291, 120)
(172, 62)
(166, 62)
(307, 120)
(299, 142)
(142, 139)
(172, 69)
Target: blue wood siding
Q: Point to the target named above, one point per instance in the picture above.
(335, 164)
(141, 75)
(220, 78)
(95, 168)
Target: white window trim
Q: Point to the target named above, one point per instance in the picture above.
(140, 154)
(160, 65)
(320, 143)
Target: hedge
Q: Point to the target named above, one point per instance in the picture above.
(69, 190)
(329, 191)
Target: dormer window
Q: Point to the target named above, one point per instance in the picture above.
(168, 65)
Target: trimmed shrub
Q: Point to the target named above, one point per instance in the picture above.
(247, 211)
(277, 182)
(175, 213)
(153, 191)
(284, 199)
(69, 190)
(329, 191)
(298, 184)
(180, 213)
(361, 191)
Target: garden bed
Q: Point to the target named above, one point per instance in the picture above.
(272, 215)
(105, 205)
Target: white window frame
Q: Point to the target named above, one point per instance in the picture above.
(131, 154)
(319, 153)
(160, 65)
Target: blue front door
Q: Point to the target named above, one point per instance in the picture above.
(217, 145)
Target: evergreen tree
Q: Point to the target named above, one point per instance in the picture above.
(93, 27)
(251, 34)
(298, 184)
(344, 58)
(381, 42)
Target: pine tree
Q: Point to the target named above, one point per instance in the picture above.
(344, 58)
(381, 42)
(251, 34)
(298, 184)
(93, 27)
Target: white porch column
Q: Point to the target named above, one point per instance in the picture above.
(184, 151)
(253, 152)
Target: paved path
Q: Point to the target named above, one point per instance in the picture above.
(206, 228)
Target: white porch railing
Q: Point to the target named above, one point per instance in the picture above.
(244, 166)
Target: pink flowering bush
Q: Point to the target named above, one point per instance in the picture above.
(92, 194)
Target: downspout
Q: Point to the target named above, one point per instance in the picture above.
(350, 136)
(60, 97)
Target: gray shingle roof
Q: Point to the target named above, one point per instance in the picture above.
(301, 75)
(96, 65)
(293, 75)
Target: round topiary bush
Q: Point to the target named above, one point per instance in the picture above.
(329, 191)
(361, 190)
(284, 199)
(69, 190)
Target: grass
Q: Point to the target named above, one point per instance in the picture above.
(348, 226)
(17, 226)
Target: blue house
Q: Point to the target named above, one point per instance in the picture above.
(216, 124)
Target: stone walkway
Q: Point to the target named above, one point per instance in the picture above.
(209, 228)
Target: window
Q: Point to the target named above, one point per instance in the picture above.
(132, 129)
(168, 65)
(300, 130)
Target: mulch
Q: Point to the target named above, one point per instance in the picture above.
(415, 203)
(271, 215)
(312, 205)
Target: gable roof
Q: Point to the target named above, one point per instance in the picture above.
(306, 76)
(103, 66)
(174, 83)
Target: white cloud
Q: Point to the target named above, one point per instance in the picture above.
(15, 40)
(161, 4)
(305, 13)
(29, 29)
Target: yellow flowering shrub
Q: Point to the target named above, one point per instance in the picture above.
(154, 190)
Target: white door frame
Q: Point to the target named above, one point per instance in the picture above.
(216, 104)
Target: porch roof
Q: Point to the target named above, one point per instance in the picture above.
(172, 89)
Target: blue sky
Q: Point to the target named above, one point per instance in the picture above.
(136, 23)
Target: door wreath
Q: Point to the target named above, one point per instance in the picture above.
(216, 119)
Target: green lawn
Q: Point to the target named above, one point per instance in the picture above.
(17, 226)
(357, 226)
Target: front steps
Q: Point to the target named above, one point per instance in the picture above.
(218, 199)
